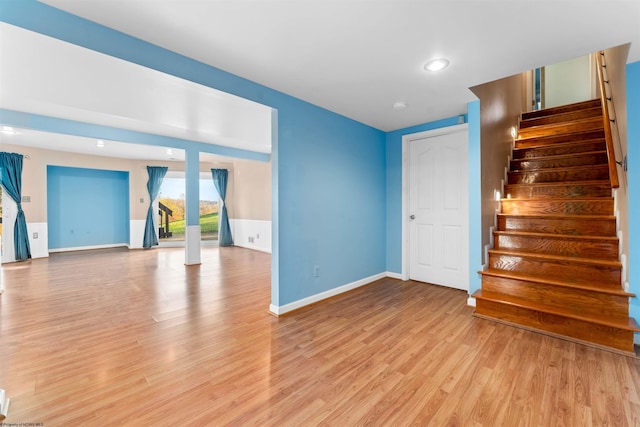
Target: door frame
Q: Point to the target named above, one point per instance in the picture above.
(406, 140)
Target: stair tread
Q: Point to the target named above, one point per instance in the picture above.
(563, 116)
(560, 156)
(564, 124)
(575, 106)
(563, 168)
(560, 199)
(564, 183)
(557, 144)
(562, 110)
(555, 216)
(555, 235)
(561, 129)
(549, 281)
(626, 323)
(570, 135)
(562, 258)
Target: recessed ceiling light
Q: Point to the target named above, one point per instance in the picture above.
(169, 152)
(436, 64)
(400, 105)
(8, 130)
(100, 143)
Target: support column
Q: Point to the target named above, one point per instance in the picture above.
(275, 227)
(192, 208)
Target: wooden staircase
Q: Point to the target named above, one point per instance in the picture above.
(554, 266)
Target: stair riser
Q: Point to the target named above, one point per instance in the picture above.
(582, 301)
(580, 330)
(573, 272)
(562, 117)
(593, 173)
(557, 246)
(576, 227)
(558, 149)
(540, 141)
(592, 103)
(518, 191)
(562, 128)
(564, 162)
(558, 207)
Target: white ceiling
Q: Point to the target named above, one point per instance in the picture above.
(358, 57)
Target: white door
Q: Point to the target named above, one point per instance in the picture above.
(438, 209)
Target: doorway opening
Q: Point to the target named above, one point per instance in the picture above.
(171, 211)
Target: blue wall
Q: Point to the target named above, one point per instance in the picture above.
(87, 207)
(633, 175)
(331, 201)
(329, 204)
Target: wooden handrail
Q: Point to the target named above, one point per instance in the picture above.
(613, 170)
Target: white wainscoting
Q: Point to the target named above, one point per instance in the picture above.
(39, 247)
(136, 233)
(243, 230)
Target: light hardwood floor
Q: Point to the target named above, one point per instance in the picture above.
(118, 337)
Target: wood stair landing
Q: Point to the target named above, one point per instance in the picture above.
(554, 266)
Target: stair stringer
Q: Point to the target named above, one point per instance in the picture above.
(471, 300)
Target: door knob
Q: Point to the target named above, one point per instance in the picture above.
(412, 217)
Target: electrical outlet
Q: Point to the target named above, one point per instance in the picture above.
(35, 235)
(250, 239)
(257, 235)
(26, 199)
(141, 199)
(316, 271)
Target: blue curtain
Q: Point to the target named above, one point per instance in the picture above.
(220, 177)
(11, 165)
(156, 174)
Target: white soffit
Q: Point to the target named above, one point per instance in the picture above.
(43, 75)
(114, 149)
(81, 145)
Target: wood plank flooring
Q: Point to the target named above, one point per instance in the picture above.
(117, 337)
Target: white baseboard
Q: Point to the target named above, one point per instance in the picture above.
(278, 310)
(471, 301)
(394, 275)
(86, 248)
